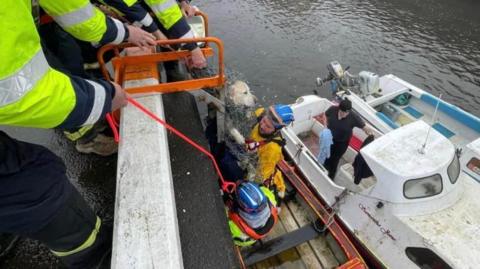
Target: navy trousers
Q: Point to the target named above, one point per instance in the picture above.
(38, 201)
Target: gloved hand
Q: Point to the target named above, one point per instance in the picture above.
(139, 37)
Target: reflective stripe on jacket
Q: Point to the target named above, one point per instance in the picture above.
(133, 12)
(32, 94)
(173, 24)
(90, 240)
(84, 21)
(167, 11)
(240, 238)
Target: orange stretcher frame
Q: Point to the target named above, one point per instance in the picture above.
(145, 66)
(121, 65)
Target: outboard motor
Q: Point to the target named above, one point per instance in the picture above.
(340, 79)
(335, 70)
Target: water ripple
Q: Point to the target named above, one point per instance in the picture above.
(282, 45)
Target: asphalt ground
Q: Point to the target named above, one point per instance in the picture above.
(92, 175)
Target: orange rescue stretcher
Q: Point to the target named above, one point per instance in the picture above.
(138, 67)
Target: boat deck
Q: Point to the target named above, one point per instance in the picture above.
(452, 239)
(451, 121)
(455, 132)
(344, 176)
(316, 253)
(310, 140)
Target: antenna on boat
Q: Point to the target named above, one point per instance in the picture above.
(422, 149)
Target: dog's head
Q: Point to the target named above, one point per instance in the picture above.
(240, 94)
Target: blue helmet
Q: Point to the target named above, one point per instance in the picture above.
(250, 198)
(285, 113)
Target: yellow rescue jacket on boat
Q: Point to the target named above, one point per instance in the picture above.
(269, 154)
(244, 236)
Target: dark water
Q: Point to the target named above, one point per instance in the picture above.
(281, 46)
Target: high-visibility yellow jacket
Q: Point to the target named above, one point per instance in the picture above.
(133, 12)
(269, 154)
(167, 11)
(33, 94)
(84, 21)
(240, 238)
(171, 19)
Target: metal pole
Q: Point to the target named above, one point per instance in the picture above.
(422, 150)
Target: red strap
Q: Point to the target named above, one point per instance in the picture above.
(247, 229)
(45, 19)
(227, 186)
(243, 226)
(113, 125)
(355, 143)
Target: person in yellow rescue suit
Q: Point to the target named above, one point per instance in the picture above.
(252, 213)
(266, 139)
(36, 198)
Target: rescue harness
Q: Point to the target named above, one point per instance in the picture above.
(251, 232)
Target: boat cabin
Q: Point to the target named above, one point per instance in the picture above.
(405, 171)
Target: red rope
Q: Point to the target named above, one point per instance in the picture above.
(113, 125)
(226, 186)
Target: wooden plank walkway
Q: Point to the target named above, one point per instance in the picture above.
(313, 254)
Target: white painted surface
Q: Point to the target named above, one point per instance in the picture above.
(380, 217)
(475, 147)
(391, 87)
(146, 231)
(398, 152)
(454, 230)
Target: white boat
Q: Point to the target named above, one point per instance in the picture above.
(388, 102)
(419, 210)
